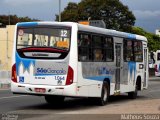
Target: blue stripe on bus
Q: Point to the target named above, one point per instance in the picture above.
(27, 24)
(48, 74)
(99, 78)
(131, 36)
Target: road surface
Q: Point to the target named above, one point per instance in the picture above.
(34, 107)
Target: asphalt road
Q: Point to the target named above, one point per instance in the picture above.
(35, 107)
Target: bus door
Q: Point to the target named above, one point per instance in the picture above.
(118, 54)
(145, 67)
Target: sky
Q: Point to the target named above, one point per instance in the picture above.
(147, 12)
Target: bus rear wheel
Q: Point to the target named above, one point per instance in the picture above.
(103, 100)
(52, 99)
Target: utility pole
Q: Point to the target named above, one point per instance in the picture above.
(7, 46)
(59, 10)
(9, 19)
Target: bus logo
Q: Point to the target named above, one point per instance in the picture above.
(50, 71)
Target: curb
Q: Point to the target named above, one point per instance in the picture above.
(5, 86)
(154, 78)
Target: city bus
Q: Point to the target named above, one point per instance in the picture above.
(67, 59)
(157, 63)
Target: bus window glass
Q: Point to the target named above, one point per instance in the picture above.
(97, 48)
(24, 38)
(84, 43)
(41, 40)
(97, 41)
(53, 41)
(43, 37)
(108, 49)
(128, 50)
(138, 51)
(84, 40)
(158, 56)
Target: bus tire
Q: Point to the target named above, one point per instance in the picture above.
(52, 99)
(133, 94)
(103, 100)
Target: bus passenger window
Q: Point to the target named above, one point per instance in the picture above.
(83, 54)
(128, 51)
(84, 47)
(98, 55)
(108, 49)
(138, 51)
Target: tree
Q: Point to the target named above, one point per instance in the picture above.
(153, 40)
(113, 12)
(70, 13)
(4, 19)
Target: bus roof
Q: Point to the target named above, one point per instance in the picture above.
(111, 32)
(87, 29)
(158, 51)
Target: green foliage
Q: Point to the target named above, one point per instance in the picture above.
(153, 40)
(4, 19)
(113, 12)
(70, 13)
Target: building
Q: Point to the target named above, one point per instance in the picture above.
(6, 46)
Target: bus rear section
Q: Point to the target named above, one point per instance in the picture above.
(41, 60)
(157, 63)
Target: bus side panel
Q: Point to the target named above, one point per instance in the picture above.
(131, 73)
(73, 52)
(92, 75)
(129, 77)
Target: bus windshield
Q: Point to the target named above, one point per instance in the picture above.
(43, 37)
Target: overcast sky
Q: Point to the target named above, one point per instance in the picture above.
(147, 12)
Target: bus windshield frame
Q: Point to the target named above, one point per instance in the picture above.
(43, 37)
(46, 39)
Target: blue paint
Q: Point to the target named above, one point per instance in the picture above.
(25, 62)
(50, 71)
(131, 36)
(99, 78)
(105, 71)
(48, 74)
(27, 24)
(21, 79)
(132, 69)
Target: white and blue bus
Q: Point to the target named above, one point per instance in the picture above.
(59, 59)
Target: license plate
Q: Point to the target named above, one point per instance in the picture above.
(40, 90)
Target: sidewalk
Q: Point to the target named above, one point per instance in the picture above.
(5, 84)
(154, 78)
